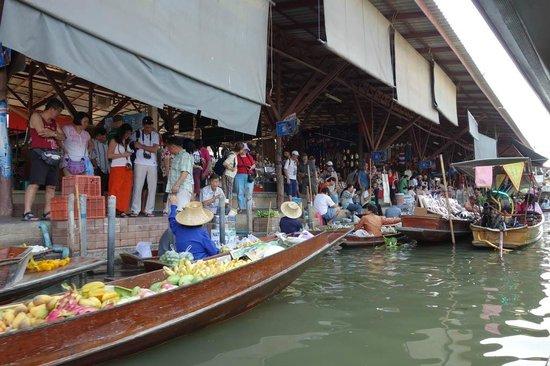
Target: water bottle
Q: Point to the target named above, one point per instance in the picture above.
(215, 237)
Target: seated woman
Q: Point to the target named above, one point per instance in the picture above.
(347, 200)
(289, 223)
(529, 204)
(187, 227)
(325, 206)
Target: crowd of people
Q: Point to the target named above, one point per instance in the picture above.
(132, 164)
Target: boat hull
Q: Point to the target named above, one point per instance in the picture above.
(357, 242)
(132, 327)
(432, 229)
(513, 238)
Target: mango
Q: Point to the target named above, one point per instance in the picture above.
(173, 279)
(21, 321)
(41, 299)
(8, 316)
(53, 302)
(20, 308)
(39, 312)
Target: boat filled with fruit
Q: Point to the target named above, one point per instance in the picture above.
(100, 321)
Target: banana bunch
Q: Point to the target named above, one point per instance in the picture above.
(29, 314)
(190, 272)
(96, 294)
(47, 264)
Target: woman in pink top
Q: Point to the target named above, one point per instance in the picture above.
(77, 145)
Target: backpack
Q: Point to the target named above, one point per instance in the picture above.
(219, 169)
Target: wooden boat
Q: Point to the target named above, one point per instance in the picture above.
(513, 238)
(432, 228)
(131, 327)
(131, 259)
(351, 241)
(33, 282)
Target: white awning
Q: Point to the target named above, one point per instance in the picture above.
(472, 126)
(445, 94)
(485, 147)
(413, 79)
(194, 54)
(359, 33)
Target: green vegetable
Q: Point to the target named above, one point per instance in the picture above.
(174, 279)
(391, 243)
(267, 213)
(123, 291)
(186, 280)
(155, 286)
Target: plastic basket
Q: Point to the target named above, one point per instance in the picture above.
(88, 185)
(13, 262)
(95, 208)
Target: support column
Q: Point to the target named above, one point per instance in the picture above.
(279, 171)
(6, 201)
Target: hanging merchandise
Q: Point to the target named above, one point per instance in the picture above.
(515, 172)
(484, 176)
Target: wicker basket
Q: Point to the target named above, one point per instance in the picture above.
(259, 224)
(13, 263)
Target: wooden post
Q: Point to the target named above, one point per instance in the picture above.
(111, 226)
(447, 198)
(279, 170)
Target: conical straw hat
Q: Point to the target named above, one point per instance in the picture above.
(291, 209)
(194, 215)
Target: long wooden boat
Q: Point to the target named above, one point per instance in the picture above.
(350, 241)
(432, 228)
(131, 327)
(513, 238)
(33, 282)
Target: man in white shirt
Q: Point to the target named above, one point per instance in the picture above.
(211, 194)
(147, 143)
(291, 171)
(325, 206)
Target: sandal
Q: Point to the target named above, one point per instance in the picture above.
(122, 214)
(29, 216)
(149, 215)
(46, 216)
(133, 214)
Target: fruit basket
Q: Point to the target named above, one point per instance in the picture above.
(13, 262)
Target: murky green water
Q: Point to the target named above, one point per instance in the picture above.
(415, 306)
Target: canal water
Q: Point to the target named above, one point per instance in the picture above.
(418, 305)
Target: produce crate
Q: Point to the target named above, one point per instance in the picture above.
(88, 185)
(13, 262)
(95, 208)
(259, 224)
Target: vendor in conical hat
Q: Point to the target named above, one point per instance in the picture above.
(289, 223)
(187, 226)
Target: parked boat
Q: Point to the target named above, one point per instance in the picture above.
(131, 327)
(512, 238)
(432, 228)
(32, 282)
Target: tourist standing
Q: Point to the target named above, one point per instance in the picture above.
(115, 125)
(165, 162)
(403, 184)
(77, 145)
(291, 171)
(99, 157)
(121, 175)
(302, 175)
(245, 176)
(230, 164)
(180, 177)
(45, 137)
(329, 172)
(147, 143)
(206, 162)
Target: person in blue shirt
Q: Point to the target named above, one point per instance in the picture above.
(187, 226)
(290, 224)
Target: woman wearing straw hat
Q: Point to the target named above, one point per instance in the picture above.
(290, 224)
(187, 228)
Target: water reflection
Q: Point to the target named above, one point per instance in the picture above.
(532, 346)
